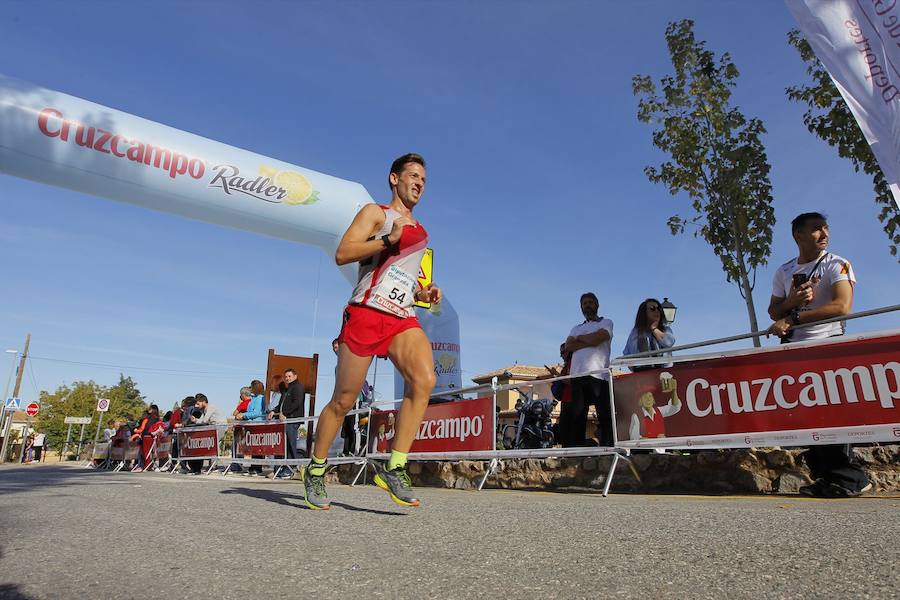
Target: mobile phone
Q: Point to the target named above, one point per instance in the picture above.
(799, 279)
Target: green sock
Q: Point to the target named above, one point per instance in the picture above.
(398, 459)
(317, 466)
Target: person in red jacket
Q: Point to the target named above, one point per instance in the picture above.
(144, 432)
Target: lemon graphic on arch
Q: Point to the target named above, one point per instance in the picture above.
(298, 188)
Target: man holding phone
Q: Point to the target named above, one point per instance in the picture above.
(817, 285)
(814, 286)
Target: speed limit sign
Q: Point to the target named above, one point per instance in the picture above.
(102, 405)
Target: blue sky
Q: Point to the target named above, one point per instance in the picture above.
(536, 189)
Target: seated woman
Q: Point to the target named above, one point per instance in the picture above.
(651, 332)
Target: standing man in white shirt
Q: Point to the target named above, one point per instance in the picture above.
(589, 343)
(38, 446)
(817, 285)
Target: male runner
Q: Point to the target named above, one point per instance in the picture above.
(380, 321)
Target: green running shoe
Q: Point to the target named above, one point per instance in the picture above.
(396, 482)
(315, 495)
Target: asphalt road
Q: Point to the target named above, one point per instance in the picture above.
(72, 533)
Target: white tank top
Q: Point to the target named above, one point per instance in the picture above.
(388, 280)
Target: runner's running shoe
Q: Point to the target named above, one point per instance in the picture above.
(396, 482)
(315, 495)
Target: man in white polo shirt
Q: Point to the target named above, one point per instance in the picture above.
(589, 343)
(815, 286)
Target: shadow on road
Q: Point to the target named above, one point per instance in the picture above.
(9, 591)
(30, 478)
(350, 507)
(284, 499)
(269, 496)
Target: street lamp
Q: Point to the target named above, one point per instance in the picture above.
(669, 310)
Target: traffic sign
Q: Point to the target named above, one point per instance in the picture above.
(32, 409)
(102, 405)
(77, 420)
(13, 403)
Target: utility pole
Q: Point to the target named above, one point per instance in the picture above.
(9, 420)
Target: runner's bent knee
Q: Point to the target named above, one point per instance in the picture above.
(343, 402)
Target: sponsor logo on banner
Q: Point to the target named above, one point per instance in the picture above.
(197, 444)
(260, 440)
(817, 394)
(450, 427)
(268, 184)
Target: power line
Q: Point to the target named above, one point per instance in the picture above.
(33, 381)
(160, 370)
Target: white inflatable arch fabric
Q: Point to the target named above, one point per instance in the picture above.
(61, 140)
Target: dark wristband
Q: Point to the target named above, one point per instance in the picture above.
(794, 317)
(386, 240)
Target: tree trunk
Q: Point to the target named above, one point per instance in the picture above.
(748, 291)
(751, 309)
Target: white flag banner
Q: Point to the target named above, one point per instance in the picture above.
(858, 41)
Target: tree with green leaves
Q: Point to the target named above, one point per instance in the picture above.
(80, 400)
(716, 157)
(829, 118)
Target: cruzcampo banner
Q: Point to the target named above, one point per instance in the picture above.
(858, 42)
(464, 425)
(792, 395)
(73, 143)
(203, 443)
(264, 439)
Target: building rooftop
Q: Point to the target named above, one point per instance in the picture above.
(525, 372)
(529, 373)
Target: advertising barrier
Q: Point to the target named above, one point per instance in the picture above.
(163, 446)
(203, 443)
(117, 449)
(101, 451)
(454, 426)
(132, 450)
(265, 439)
(845, 391)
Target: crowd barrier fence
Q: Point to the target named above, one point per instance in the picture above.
(625, 384)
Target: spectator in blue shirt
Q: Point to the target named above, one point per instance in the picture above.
(651, 332)
(255, 412)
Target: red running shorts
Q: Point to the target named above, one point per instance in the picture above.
(369, 332)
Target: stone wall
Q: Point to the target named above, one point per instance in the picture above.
(742, 471)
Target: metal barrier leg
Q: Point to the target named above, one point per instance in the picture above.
(490, 471)
(212, 466)
(609, 475)
(359, 473)
(175, 468)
